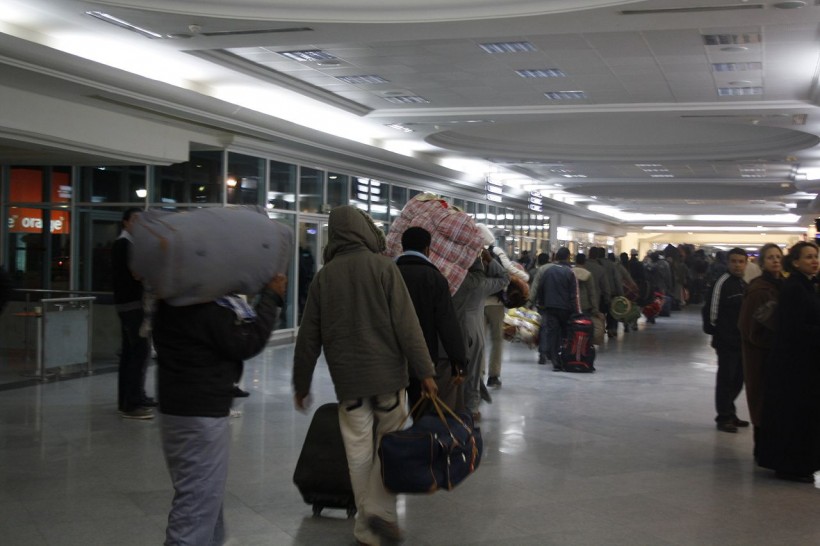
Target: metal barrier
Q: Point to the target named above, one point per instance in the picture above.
(64, 333)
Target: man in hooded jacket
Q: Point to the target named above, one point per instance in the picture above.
(359, 312)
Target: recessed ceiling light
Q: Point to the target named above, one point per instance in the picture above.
(307, 55)
(739, 91)
(400, 127)
(789, 5)
(731, 39)
(741, 82)
(541, 73)
(365, 78)
(407, 99)
(736, 67)
(507, 47)
(734, 48)
(565, 95)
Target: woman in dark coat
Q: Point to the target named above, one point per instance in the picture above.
(790, 434)
(757, 328)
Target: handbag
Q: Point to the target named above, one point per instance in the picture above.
(437, 452)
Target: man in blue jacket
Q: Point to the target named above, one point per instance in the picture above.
(557, 300)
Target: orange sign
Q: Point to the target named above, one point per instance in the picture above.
(27, 187)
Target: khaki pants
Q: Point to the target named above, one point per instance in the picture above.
(356, 419)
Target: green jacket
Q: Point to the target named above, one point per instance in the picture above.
(359, 312)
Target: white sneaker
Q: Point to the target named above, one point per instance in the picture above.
(236, 413)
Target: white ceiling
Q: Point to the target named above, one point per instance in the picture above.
(652, 134)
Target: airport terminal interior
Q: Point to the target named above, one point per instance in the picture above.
(615, 124)
(624, 456)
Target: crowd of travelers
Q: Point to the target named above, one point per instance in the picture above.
(392, 331)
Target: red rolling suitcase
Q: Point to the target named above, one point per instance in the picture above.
(577, 351)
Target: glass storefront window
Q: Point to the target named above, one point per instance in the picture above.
(337, 190)
(398, 198)
(281, 186)
(379, 193)
(198, 180)
(38, 245)
(360, 192)
(311, 184)
(113, 184)
(244, 182)
(458, 203)
(287, 317)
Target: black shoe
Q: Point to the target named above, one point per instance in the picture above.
(542, 359)
(557, 368)
(239, 393)
(727, 427)
(494, 381)
(485, 394)
(148, 402)
(788, 476)
(388, 531)
(740, 423)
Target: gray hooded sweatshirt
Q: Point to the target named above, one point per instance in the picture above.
(359, 311)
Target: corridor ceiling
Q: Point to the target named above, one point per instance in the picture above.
(684, 112)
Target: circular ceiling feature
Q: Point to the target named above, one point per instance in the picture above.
(626, 137)
(364, 11)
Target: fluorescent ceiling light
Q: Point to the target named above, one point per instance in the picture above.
(739, 91)
(541, 73)
(771, 218)
(407, 99)
(633, 216)
(744, 229)
(565, 95)
(364, 78)
(102, 16)
(507, 47)
(731, 39)
(308, 55)
(736, 67)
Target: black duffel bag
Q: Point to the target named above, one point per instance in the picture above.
(438, 452)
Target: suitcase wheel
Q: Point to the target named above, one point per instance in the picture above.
(317, 509)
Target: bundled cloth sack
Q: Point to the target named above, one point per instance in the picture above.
(456, 241)
(200, 255)
(522, 325)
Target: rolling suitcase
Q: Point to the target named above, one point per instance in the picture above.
(577, 351)
(321, 473)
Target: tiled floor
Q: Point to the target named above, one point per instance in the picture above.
(628, 455)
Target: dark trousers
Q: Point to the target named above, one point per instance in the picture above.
(611, 322)
(729, 383)
(557, 320)
(134, 353)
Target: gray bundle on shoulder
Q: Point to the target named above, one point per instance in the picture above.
(199, 255)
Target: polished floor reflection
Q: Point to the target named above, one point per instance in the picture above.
(628, 455)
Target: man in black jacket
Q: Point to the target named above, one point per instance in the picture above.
(724, 301)
(430, 293)
(557, 300)
(135, 349)
(198, 350)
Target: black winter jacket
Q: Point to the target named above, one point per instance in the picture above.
(200, 349)
(127, 289)
(724, 301)
(430, 293)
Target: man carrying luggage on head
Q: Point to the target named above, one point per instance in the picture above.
(430, 293)
(359, 312)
